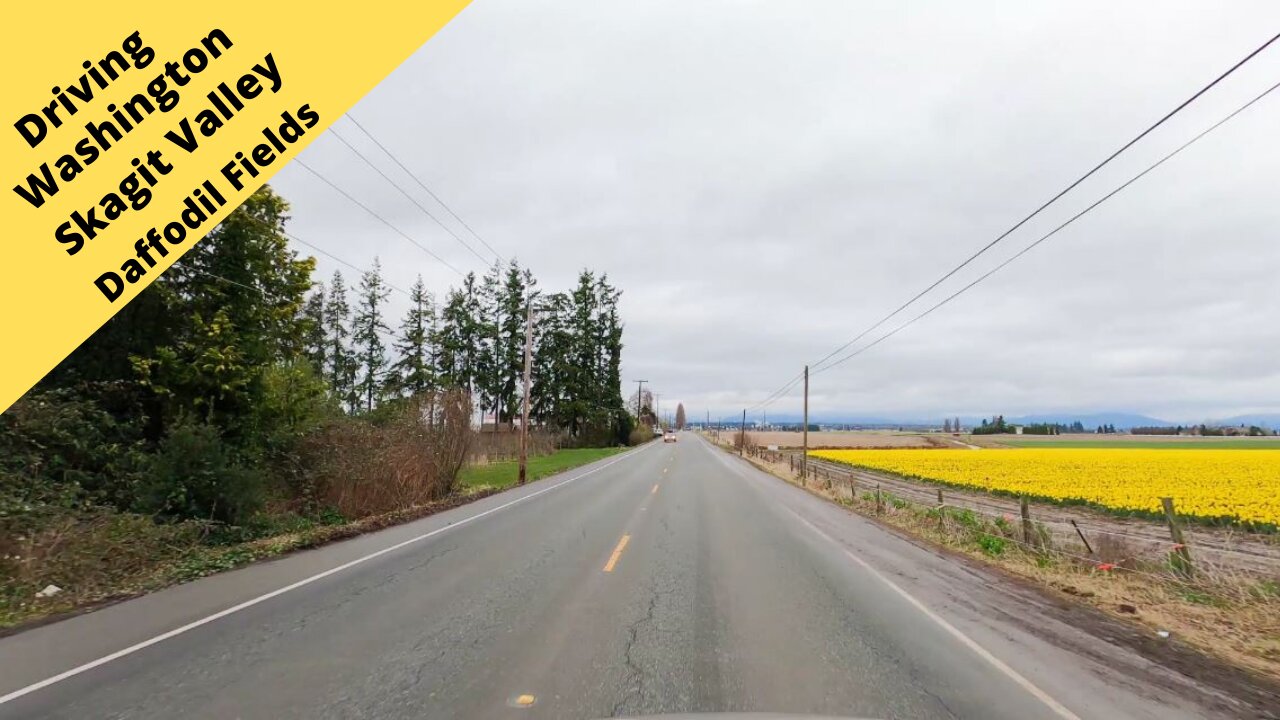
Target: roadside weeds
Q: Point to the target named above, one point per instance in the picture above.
(174, 560)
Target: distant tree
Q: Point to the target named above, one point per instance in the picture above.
(315, 345)
(680, 418)
(946, 425)
(460, 339)
(341, 362)
(367, 329)
(414, 371)
(955, 426)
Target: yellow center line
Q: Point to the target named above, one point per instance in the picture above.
(617, 553)
(654, 491)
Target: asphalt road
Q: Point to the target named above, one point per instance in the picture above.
(674, 578)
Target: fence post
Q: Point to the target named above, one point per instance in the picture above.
(942, 514)
(1028, 532)
(879, 505)
(1087, 546)
(1179, 542)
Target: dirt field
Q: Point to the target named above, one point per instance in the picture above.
(838, 439)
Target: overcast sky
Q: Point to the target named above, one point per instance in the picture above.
(766, 179)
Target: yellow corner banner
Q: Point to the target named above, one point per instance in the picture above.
(130, 131)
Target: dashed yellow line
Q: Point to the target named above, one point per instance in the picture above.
(617, 553)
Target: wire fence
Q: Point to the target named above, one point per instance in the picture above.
(1127, 545)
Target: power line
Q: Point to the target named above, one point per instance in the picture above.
(339, 260)
(333, 131)
(386, 334)
(381, 219)
(423, 185)
(272, 228)
(1051, 233)
(1051, 200)
(776, 395)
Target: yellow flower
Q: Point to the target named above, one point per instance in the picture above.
(1243, 485)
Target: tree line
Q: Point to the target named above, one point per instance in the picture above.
(475, 339)
(205, 395)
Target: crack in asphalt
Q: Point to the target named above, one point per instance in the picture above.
(635, 673)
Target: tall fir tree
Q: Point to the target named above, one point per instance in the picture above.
(489, 341)
(315, 345)
(341, 361)
(414, 371)
(517, 290)
(367, 329)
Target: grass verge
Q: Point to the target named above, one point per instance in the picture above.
(502, 475)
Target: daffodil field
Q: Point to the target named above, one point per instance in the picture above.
(1218, 485)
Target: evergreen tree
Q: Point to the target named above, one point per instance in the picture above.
(367, 329)
(342, 362)
(680, 418)
(552, 360)
(414, 371)
(234, 299)
(315, 341)
(460, 340)
(517, 289)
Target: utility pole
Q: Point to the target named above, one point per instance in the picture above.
(657, 409)
(524, 415)
(804, 463)
(742, 444)
(639, 396)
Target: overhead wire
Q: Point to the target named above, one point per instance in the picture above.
(381, 219)
(819, 366)
(423, 185)
(981, 251)
(334, 132)
(340, 261)
(1049, 234)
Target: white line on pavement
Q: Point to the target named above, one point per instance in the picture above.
(294, 586)
(1057, 707)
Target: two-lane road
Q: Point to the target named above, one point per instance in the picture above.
(673, 578)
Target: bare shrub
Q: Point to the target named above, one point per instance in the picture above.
(361, 469)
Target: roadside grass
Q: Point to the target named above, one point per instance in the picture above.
(1227, 613)
(502, 475)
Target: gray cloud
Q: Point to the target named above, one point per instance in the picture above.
(766, 179)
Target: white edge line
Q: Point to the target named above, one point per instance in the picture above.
(1044, 697)
(294, 586)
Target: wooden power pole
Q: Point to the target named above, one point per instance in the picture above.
(639, 394)
(804, 462)
(524, 414)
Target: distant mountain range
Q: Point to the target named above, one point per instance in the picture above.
(1090, 421)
